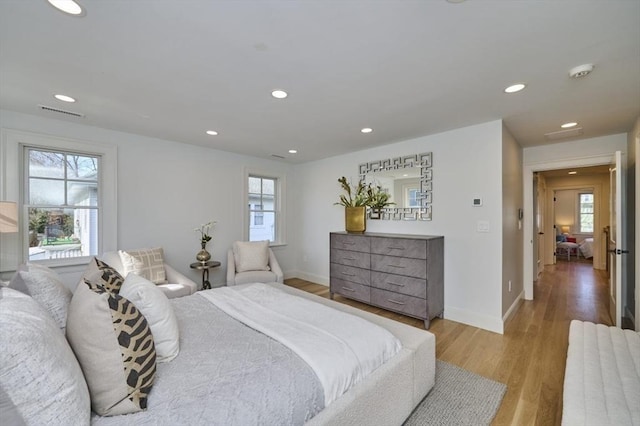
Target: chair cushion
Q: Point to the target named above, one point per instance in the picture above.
(41, 382)
(46, 287)
(115, 348)
(255, 277)
(154, 305)
(251, 255)
(99, 273)
(148, 263)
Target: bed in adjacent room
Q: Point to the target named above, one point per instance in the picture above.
(226, 372)
(586, 248)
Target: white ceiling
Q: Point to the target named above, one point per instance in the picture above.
(172, 69)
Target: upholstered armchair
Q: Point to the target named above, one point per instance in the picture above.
(251, 262)
(177, 285)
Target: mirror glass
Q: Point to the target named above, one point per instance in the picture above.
(408, 180)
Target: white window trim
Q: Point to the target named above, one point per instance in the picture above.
(12, 144)
(281, 193)
(577, 218)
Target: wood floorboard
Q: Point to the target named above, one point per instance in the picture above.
(530, 356)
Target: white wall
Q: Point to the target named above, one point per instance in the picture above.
(511, 224)
(166, 189)
(466, 164)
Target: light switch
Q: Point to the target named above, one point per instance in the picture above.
(483, 226)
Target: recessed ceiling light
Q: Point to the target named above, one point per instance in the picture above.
(367, 130)
(515, 88)
(567, 125)
(64, 98)
(212, 133)
(67, 6)
(293, 151)
(279, 94)
(573, 172)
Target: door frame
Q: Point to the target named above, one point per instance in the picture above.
(528, 276)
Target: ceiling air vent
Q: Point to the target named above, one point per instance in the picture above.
(562, 134)
(61, 111)
(277, 156)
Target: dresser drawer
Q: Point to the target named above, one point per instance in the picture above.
(350, 290)
(351, 258)
(399, 302)
(397, 283)
(350, 242)
(416, 268)
(416, 249)
(349, 273)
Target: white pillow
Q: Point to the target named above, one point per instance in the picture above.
(157, 309)
(148, 263)
(46, 287)
(251, 255)
(39, 375)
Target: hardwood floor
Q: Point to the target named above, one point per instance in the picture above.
(530, 357)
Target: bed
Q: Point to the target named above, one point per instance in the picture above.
(225, 373)
(586, 248)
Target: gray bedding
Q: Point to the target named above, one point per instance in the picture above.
(226, 374)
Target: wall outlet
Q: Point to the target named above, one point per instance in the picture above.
(509, 286)
(482, 226)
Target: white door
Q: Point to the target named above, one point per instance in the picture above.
(540, 209)
(615, 243)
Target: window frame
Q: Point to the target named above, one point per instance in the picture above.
(13, 150)
(279, 203)
(579, 212)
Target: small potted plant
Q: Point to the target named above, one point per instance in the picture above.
(378, 200)
(355, 201)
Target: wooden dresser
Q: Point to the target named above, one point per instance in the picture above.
(401, 273)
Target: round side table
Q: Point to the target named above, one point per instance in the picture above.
(204, 267)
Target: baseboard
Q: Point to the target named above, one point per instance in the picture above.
(476, 320)
(514, 306)
(317, 279)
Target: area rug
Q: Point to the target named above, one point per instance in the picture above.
(458, 398)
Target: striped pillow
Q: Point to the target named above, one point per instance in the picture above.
(115, 348)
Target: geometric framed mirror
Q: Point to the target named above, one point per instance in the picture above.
(409, 182)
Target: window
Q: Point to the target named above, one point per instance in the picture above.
(585, 209)
(62, 204)
(262, 193)
(47, 184)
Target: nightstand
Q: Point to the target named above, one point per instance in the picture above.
(204, 267)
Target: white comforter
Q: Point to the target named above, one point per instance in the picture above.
(341, 348)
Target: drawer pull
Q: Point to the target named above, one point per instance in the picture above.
(396, 302)
(392, 283)
(396, 266)
(349, 243)
(395, 248)
(349, 258)
(348, 275)
(348, 289)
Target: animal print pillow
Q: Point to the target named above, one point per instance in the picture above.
(103, 275)
(115, 348)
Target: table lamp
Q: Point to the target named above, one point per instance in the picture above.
(8, 217)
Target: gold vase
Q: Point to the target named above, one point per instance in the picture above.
(203, 255)
(355, 219)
